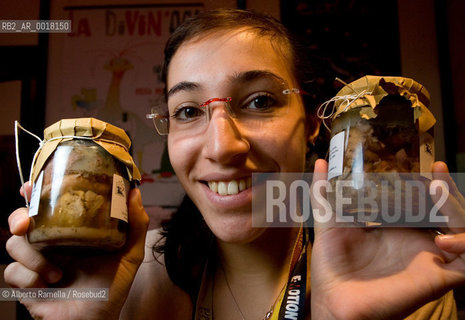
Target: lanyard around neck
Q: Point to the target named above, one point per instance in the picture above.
(290, 304)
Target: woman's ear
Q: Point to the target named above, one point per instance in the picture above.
(313, 129)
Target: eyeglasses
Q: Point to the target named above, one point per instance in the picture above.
(256, 106)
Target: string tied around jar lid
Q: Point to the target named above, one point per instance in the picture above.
(346, 99)
(42, 143)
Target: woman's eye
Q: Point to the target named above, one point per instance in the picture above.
(186, 113)
(261, 102)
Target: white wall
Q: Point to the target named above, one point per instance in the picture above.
(270, 6)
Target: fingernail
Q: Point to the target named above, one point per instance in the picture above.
(53, 276)
(13, 224)
(446, 236)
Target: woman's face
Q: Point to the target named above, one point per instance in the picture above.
(227, 152)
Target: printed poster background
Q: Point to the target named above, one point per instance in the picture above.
(109, 68)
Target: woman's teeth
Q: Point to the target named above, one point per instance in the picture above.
(224, 188)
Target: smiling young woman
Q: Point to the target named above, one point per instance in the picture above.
(263, 128)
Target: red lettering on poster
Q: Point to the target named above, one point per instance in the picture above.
(83, 27)
(131, 20)
(154, 24)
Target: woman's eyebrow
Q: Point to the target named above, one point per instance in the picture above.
(251, 75)
(183, 86)
(237, 79)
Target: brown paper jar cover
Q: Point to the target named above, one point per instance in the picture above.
(111, 138)
(376, 88)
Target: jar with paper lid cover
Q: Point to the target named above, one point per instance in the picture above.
(381, 144)
(81, 178)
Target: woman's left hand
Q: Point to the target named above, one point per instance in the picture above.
(386, 273)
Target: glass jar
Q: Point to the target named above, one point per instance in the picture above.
(80, 196)
(381, 152)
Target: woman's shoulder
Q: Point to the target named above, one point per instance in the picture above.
(153, 294)
(439, 309)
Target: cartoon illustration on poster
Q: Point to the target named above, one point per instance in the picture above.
(109, 68)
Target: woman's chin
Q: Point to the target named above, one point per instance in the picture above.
(236, 232)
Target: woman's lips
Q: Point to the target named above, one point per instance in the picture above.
(230, 187)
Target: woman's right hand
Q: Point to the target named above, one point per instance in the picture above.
(115, 271)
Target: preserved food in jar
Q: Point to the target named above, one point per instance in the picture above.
(381, 150)
(80, 193)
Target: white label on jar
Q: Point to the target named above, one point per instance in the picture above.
(35, 196)
(336, 155)
(119, 206)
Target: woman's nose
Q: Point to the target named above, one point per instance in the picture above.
(225, 143)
